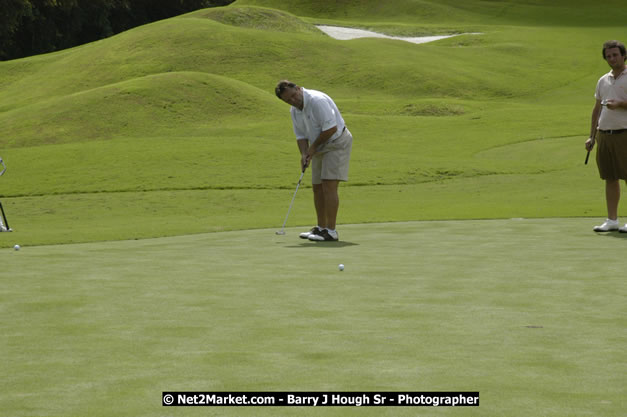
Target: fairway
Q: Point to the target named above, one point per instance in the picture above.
(530, 313)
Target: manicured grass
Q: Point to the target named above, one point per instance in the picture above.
(172, 131)
(155, 131)
(528, 312)
(81, 217)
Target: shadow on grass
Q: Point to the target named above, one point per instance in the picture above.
(618, 235)
(326, 245)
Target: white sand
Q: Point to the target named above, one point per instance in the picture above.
(350, 33)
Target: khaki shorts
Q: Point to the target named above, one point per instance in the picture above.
(331, 162)
(612, 155)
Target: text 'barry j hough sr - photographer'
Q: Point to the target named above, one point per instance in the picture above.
(321, 399)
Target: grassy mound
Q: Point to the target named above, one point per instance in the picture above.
(509, 12)
(257, 18)
(153, 105)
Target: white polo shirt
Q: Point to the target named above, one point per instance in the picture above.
(610, 88)
(319, 114)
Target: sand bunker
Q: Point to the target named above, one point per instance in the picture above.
(350, 33)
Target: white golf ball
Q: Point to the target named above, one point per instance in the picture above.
(340, 267)
(16, 247)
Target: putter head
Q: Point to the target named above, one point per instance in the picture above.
(280, 232)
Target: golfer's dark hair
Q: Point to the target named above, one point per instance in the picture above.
(282, 86)
(614, 44)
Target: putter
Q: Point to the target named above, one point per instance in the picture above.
(282, 231)
(588, 154)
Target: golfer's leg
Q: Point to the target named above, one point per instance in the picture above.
(612, 196)
(319, 203)
(331, 202)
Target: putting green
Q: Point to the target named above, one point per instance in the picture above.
(530, 313)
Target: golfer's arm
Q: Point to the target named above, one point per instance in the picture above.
(325, 135)
(596, 112)
(303, 146)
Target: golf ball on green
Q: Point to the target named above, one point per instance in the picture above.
(340, 267)
(16, 247)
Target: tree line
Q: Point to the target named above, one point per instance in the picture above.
(31, 27)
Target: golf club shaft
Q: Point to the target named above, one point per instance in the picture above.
(293, 197)
(587, 156)
(4, 217)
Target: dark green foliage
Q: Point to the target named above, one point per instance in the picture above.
(30, 27)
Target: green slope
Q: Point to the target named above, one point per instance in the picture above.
(256, 18)
(512, 12)
(186, 105)
(159, 105)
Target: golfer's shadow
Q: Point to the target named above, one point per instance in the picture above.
(307, 244)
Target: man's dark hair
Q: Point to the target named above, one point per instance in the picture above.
(614, 44)
(282, 86)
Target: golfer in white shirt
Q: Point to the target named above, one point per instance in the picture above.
(324, 142)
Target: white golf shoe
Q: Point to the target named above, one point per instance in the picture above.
(325, 235)
(608, 226)
(314, 231)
